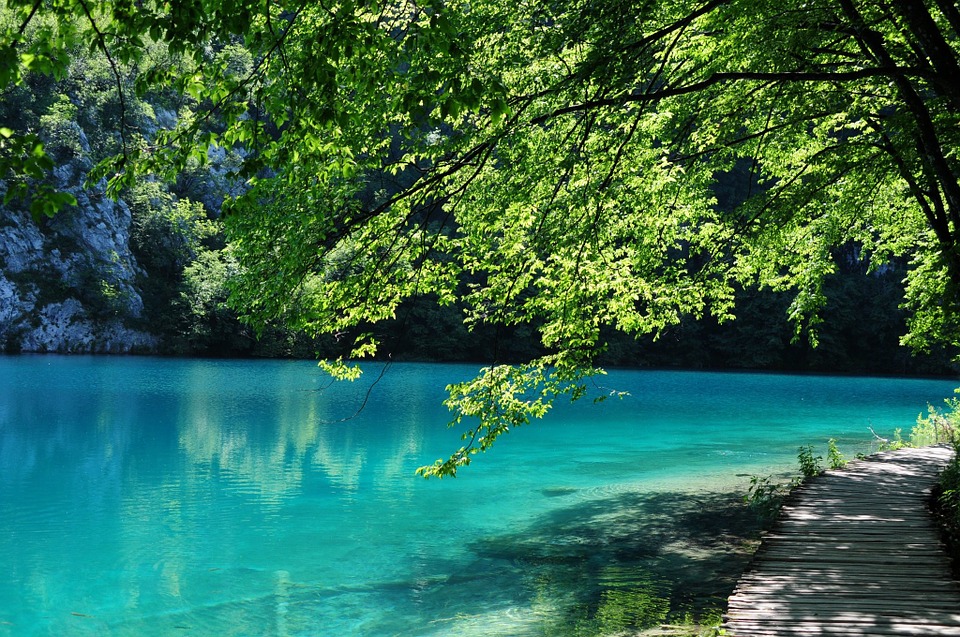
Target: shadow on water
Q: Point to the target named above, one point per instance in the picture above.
(632, 560)
(611, 566)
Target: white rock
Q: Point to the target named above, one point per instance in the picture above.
(78, 247)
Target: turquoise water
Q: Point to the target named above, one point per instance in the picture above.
(191, 497)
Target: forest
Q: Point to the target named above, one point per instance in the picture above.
(548, 187)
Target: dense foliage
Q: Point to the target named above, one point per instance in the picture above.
(550, 166)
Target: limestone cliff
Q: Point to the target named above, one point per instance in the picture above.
(68, 284)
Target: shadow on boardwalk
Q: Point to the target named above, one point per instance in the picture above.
(855, 552)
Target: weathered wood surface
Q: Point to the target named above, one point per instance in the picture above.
(855, 552)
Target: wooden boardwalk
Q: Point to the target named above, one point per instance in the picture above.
(855, 552)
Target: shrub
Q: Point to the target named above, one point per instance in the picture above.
(937, 426)
(810, 465)
(834, 457)
(766, 497)
(61, 131)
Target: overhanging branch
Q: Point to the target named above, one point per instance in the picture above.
(722, 78)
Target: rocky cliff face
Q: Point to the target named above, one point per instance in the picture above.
(68, 284)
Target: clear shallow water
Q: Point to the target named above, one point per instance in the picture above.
(167, 497)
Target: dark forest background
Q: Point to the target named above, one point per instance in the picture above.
(156, 264)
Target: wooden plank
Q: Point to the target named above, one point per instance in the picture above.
(887, 597)
(759, 585)
(893, 492)
(834, 614)
(845, 534)
(945, 620)
(824, 605)
(854, 553)
(872, 587)
(801, 545)
(836, 567)
(764, 629)
(851, 619)
(866, 511)
(864, 536)
(927, 587)
(865, 559)
(810, 577)
(825, 543)
(874, 510)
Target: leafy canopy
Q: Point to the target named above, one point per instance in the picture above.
(544, 163)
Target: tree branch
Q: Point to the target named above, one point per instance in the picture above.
(680, 24)
(26, 22)
(950, 11)
(102, 45)
(935, 218)
(934, 46)
(928, 138)
(720, 78)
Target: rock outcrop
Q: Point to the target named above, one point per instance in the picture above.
(69, 284)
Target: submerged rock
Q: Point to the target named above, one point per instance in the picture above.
(556, 492)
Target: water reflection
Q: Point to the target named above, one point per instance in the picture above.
(294, 431)
(265, 460)
(169, 482)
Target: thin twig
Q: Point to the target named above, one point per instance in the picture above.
(102, 44)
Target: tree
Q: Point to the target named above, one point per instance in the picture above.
(555, 164)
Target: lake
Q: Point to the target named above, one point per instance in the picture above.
(146, 496)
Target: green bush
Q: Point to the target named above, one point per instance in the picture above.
(834, 457)
(766, 497)
(60, 130)
(897, 442)
(939, 425)
(810, 465)
(947, 507)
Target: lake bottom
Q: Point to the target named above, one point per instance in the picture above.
(156, 497)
